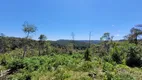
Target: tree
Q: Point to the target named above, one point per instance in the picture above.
(90, 39)
(2, 35)
(42, 38)
(28, 29)
(87, 52)
(134, 34)
(106, 38)
(73, 42)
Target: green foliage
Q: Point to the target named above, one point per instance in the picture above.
(87, 55)
(3, 61)
(20, 76)
(106, 36)
(43, 44)
(108, 67)
(109, 60)
(64, 66)
(85, 78)
(134, 57)
(86, 66)
(117, 55)
(15, 65)
(56, 64)
(29, 28)
(42, 37)
(61, 74)
(70, 48)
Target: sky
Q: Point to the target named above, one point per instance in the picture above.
(57, 19)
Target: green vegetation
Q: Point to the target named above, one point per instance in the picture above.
(27, 59)
(67, 67)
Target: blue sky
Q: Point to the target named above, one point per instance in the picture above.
(58, 18)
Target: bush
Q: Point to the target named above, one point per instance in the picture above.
(3, 61)
(15, 65)
(87, 55)
(134, 57)
(20, 76)
(108, 59)
(85, 78)
(113, 76)
(117, 54)
(86, 66)
(61, 74)
(107, 67)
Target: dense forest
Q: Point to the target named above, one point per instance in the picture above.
(104, 59)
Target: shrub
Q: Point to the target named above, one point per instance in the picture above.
(116, 54)
(32, 64)
(20, 76)
(107, 59)
(3, 61)
(87, 55)
(61, 74)
(134, 57)
(85, 78)
(86, 66)
(15, 65)
(107, 67)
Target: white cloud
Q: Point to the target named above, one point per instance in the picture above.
(117, 35)
(112, 25)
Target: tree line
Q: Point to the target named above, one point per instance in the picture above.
(127, 51)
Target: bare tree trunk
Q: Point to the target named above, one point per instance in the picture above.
(25, 49)
(89, 39)
(73, 35)
(39, 52)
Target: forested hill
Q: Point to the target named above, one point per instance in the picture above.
(16, 42)
(77, 43)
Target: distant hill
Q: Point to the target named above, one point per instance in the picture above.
(92, 41)
(78, 43)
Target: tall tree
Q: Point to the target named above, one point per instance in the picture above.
(134, 34)
(106, 38)
(87, 55)
(42, 39)
(28, 29)
(73, 42)
(90, 34)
